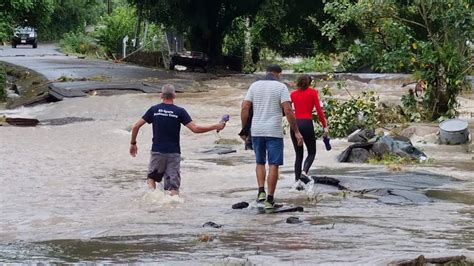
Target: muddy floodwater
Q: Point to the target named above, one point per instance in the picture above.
(70, 192)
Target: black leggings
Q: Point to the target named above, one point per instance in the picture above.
(307, 130)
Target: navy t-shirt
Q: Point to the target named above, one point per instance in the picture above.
(167, 120)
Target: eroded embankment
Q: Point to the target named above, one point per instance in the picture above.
(24, 86)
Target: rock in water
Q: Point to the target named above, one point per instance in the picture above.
(212, 224)
(240, 205)
(293, 220)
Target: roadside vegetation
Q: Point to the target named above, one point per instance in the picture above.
(427, 38)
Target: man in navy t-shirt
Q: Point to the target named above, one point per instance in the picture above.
(165, 158)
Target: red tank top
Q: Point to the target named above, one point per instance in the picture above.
(304, 102)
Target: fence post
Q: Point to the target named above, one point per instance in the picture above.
(124, 46)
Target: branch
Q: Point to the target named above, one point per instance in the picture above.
(424, 15)
(410, 21)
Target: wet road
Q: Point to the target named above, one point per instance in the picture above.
(51, 63)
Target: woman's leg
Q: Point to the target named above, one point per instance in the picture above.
(298, 157)
(307, 130)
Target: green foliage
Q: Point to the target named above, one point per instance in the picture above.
(426, 36)
(411, 109)
(15, 13)
(3, 81)
(318, 63)
(444, 59)
(345, 116)
(71, 16)
(291, 28)
(384, 44)
(234, 41)
(78, 43)
(113, 28)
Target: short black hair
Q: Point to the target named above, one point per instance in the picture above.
(274, 68)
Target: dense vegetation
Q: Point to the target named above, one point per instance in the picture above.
(431, 39)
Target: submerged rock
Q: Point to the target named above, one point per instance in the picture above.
(293, 220)
(212, 224)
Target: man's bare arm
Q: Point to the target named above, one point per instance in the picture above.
(133, 141)
(135, 130)
(245, 112)
(203, 129)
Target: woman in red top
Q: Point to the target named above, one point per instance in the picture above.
(305, 99)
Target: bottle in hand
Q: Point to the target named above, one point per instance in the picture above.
(326, 143)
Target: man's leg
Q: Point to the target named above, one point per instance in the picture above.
(275, 159)
(272, 179)
(172, 174)
(261, 173)
(156, 169)
(151, 183)
(259, 147)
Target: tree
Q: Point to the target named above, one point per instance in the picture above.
(23, 13)
(204, 22)
(71, 15)
(290, 27)
(426, 36)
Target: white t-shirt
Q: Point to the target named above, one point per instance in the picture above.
(266, 97)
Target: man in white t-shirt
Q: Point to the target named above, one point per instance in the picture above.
(267, 97)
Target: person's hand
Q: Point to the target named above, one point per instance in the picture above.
(243, 137)
(326, 132)
(299, 139)
(220, 126)
(133, 150)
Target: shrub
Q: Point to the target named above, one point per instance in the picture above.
(113, 28)
(318, 63)
(344, 117)
(78, 42)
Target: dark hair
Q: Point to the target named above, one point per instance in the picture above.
(273, 68)
(303, 82)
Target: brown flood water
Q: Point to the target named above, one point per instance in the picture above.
(71, 193)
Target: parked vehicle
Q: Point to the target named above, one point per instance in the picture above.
(190, 60)
(25, 36)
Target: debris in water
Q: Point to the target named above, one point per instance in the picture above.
(240, 205)
(205, 238)
(421, 260)
(212, 224)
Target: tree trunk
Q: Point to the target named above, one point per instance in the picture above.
(207, 42)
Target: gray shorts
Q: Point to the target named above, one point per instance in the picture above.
(165, 165)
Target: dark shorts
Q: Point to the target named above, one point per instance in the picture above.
(165, 165)
(268, 147)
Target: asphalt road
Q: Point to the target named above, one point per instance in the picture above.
(48, 61)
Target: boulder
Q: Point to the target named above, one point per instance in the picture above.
(380, 149)
(359, 155)
(361, 135)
